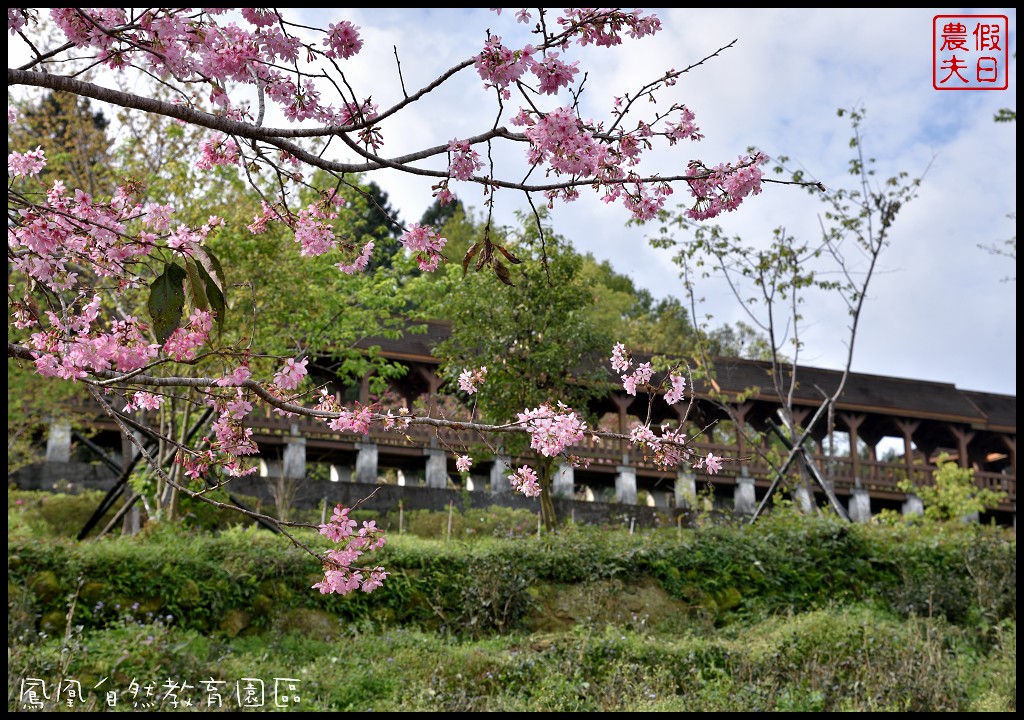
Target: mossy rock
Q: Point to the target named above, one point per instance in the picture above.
(189, 594)
(234, 622)
(93, 592)
(53, 623)
(45, 585)
(727, 599)
(309, 622)
(262, 605)
(602, 602)
(277, 590)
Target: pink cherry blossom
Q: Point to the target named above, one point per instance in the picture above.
(425, 244)
(713, 463)
(342, 40)
(524, 480)
(26, 164)
(464, 160)
(360, 262)
(620, 358)
(289, 376)
(675, 394)
(552, 431)
(470, 380)
(144, 401)
(238, 376)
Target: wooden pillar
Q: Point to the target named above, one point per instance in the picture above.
(908, 428)
(872, 440)
(799, 415)
(853, 423)
(622, 403)
(433, 385)
(364, 389)
(963, 438)
(739, 413)
(1011, 446)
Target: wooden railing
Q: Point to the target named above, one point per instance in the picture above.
(880, 479)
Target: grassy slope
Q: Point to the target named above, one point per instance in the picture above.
(794, 614)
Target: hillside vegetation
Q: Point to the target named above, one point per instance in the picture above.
(793, 613)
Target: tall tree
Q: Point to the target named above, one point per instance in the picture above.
(545, 345)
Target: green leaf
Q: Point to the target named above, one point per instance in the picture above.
(196, 286)
(205, 257)
(214, 293)
(167, 301)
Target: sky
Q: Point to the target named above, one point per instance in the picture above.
(939, 307)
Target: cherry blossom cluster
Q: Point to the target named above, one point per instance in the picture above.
(185, 341)
(231, 441)
(425, 244)
(723, 187)
(217, 150)
(640, 378)
(342, 40)
(26, 164)
(471, 379)
(464, 160)
(143, 401)
(313, 230)
(399, 422)
(195, 46)
(552, 431)
(605, 27)
(339, 575)
(64, 229)
(289, 376)
(360, 263)
(524, 480)
(667, 450)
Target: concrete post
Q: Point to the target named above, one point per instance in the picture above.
(58, 441)
(804, 499)
(294, 464)
(341, 473)
(437, 468)
(686, 490)
(744, 497)
(860, 505)
(499, 476)
(562, 485)
(366, 463)
(625, 485)
(913, 505)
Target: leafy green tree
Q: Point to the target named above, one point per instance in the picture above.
(545, 344)
(954, 494)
